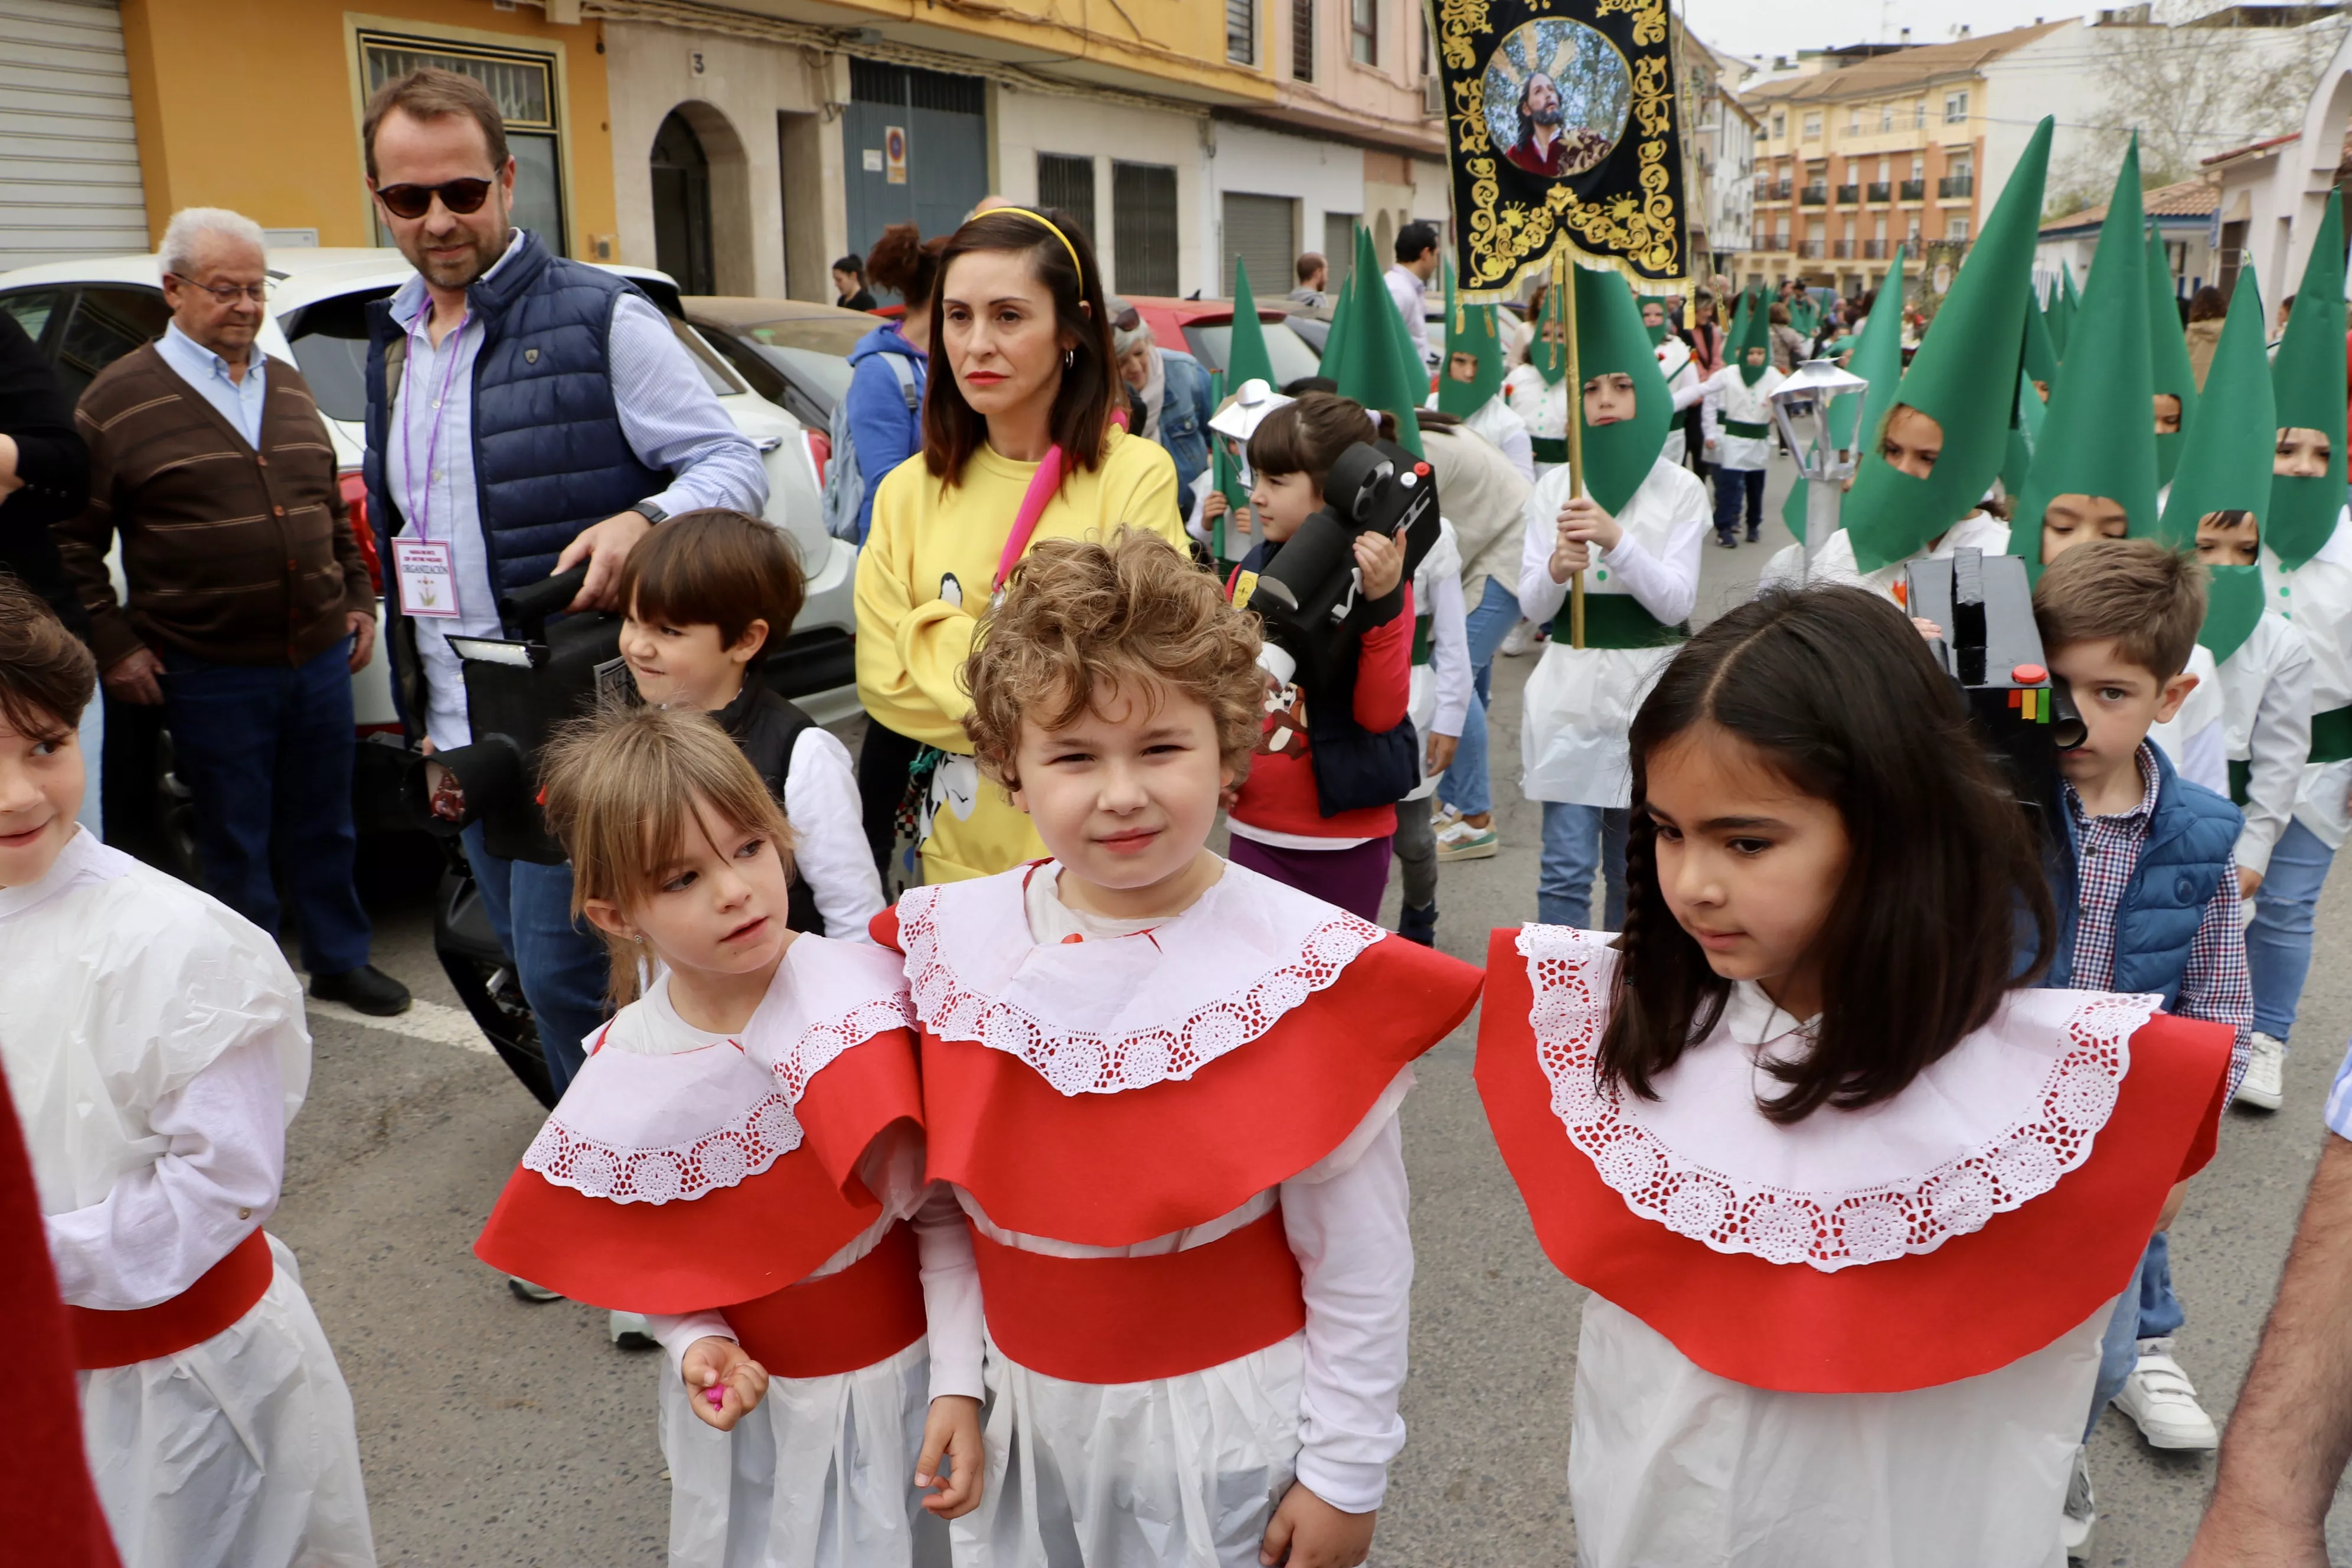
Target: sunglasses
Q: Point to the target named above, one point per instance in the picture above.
(460, 196)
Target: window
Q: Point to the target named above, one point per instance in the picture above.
(108, 322)
(1302, 40)
(1919, 114)
(1813, 126)
(1241, 31)
(1264, 232)
(32, 308)
(1143, 228)
(1913, 232)
(1853, 121)
(1364, 31)
(1956, 108)
(1780, 125)
(523, 86)
(1918, 165)
(1956, 228)
(1886, 117)
(1066, 181)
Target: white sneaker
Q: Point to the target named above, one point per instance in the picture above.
(2160, 1398)
(628, 1330)
(2264, 1085)
(2082, 1512)
(1520, 640)
(1461, 840)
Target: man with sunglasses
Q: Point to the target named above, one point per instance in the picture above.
(525, 413)
(250, 606)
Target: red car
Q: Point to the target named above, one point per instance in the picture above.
(1204, 329)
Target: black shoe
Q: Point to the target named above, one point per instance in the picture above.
(1418, 924)
(1751, 534)
(366, 989)
(1726, 542)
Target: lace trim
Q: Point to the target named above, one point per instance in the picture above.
(820, 1043)
(742, 1149)
(1826, 1231)
(1078, 1064)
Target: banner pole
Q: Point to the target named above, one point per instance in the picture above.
(1564, 288)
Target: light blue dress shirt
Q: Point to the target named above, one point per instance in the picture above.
(239, 402)
(672, 419)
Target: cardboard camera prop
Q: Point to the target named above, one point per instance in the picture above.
(1306, 592)
(518, 690)
(1992, 650)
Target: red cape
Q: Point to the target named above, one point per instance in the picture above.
(729, 1245)
(1110, 1170)
(2029, 1276)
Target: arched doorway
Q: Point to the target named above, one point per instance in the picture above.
(681, 178)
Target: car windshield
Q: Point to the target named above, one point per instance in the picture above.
(1289, 353)
(329, 339)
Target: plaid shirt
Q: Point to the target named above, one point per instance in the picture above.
(2213, 982)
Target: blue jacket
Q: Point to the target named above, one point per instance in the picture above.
(886, 433)
(1184, 410)
(2181, 861)
(550, 457)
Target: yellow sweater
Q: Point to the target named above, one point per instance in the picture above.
(913, 635)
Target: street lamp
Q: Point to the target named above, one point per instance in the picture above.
(1802, 407)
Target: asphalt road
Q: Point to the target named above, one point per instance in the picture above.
(498, 1433)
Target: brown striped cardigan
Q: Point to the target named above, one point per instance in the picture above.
(233, 555)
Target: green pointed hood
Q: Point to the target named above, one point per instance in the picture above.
(2225, 465)
(1469, 330)
(1877, 358)
(1754, 332)
(1964, 377)
(2170, 372)
(1549, 360)
(2100, 436)
(1246, 353)
(1608, 338)
(2041, 354)
(2062, 310)
(1373, 360)
(1805, 313)
(2307, 378)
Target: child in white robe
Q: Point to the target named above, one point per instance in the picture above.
(154, 1044)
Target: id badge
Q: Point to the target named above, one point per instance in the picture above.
(428, 577)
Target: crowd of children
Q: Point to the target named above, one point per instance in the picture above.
(1055, 1213)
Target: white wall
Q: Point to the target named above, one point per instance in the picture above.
(1321, 176)
(1028, 123)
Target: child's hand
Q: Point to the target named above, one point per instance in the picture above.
(1382, 561)
(713, 1362)
(1585, 518)
(2248, 880)
(952, 1429)
(1568, 555)
(1213, 506)
(1441, 754)
(1308, 1532)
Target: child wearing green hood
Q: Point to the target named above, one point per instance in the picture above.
(1737, 415)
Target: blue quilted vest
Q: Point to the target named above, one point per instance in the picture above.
(550, 456)
(2180, 864)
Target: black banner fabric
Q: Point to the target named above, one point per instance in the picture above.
(1561, 129)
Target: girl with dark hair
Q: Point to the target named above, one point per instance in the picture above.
(1807, 1100)
(1019, 443)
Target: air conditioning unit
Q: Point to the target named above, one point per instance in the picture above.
(1432, 97)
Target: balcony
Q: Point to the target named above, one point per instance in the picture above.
(1814, 196)
(1956, 186)
(1849, 195)
(1915, 189)
(1874, 249)
(1772, 190)
(1842, 249)
(1880, 190)
(1810, 249)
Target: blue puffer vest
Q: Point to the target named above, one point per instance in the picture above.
(2180, 864)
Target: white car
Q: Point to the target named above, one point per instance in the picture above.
(86, 314)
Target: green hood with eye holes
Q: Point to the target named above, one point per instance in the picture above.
(2169, 372)
(1611, 340)
(2307, 379)
(2225, 465)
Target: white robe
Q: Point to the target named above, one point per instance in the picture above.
(1835, 563)
(155, 1046)
(2317, 598)
(1541, 404)
(2266, 723)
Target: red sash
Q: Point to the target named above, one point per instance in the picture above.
(226, 1292)
(868, 1312)
(1133, 1319)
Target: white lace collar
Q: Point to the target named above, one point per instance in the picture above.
(651, 1129)
(1990, 1127)
(82, 860)
(1098, 1017)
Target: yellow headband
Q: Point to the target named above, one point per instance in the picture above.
(1057, 234)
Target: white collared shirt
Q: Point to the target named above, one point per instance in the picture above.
(239, 401)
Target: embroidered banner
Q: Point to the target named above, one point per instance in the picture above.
(1561, 131)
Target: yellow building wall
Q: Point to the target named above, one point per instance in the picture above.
(255, 105)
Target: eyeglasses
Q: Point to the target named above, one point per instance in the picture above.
(230, 293)
(460, 196)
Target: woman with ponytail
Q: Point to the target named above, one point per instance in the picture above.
(1019, 444)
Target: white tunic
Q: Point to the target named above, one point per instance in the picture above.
(1729, 396)
(1542, 405)
(1676, 363)
(154, 1044)
(1835, 563)
(2266, 723)
(2196, 738)
(1501, 424)
(1438, 699)
(2317, 598)
(1579, 702)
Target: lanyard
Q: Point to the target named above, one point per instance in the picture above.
(420, 507)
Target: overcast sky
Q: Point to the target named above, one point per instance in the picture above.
(1743, 27)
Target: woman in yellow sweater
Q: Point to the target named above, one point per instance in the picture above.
(1018, 444)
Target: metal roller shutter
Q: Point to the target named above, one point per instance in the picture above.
(69, 181)
(1264, 232)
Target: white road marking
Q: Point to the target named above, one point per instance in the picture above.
(423, 1021)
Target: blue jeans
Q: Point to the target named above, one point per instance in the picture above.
(1466, 786)
(265, 749)
(2278, 942)
(1732, 486)
(561, 962)
(1578, 841)
(2148, 1311)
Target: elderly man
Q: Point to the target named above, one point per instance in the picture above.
(250, 606)
(525, 413)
